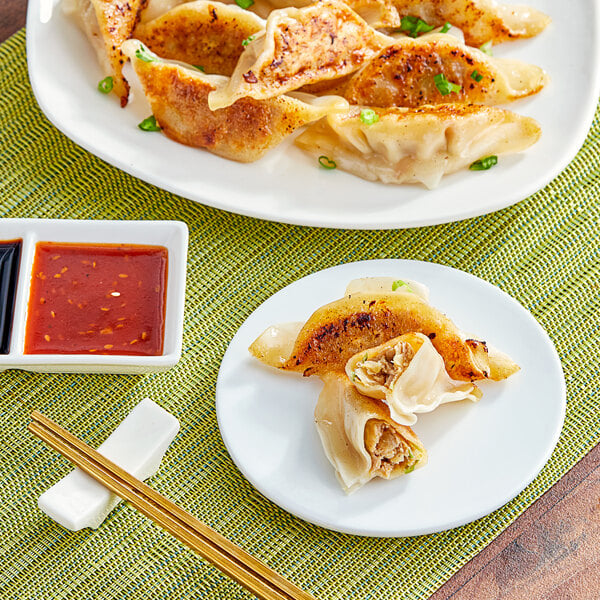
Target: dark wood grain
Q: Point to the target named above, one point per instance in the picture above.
(12, 17)
(551, 552)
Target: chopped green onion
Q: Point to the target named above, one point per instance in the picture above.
(399, 283)
(368, 116)
(143, 54)
(483, 164)
(326, 162)
(476, 75)
(353, 378)
(244, 3)
(106, 85)
(199, 67)
(149, 124)
(444, 86)
(487, 48)
(445, 28)
(248, 40)
(409, 469)
(365, 357)
(414, 26)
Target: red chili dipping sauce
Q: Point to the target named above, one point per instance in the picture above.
(97, 298)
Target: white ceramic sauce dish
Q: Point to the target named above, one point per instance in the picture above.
(172, 235)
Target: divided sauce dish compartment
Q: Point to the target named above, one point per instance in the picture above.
(167, 239)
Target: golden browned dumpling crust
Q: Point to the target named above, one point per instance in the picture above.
(404, 75)
(481, 21)
(337, 331)
(116, 21)
(242, 132)
(208, 34)
(325, 40)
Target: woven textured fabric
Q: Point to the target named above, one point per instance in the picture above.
(543, 251)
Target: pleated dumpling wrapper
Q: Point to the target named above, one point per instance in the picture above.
(107, 24)
(417, 145)
(206, 34)
(243, 132)
(409, 375)
(359, 437)
(301, 46)
(438, 68)
(367, 317)
(481, 21)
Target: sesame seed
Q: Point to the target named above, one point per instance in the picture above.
(47, 337)
(144, 335)
(115, 294)
(106, 331)
(57, 276)
(64, 269)
(52, 314)
(123, 275)
(108, 346)
(134, 341)
(56, 257)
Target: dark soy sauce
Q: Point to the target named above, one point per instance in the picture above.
(10, 256)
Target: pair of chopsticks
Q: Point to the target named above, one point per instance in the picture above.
(248, 571)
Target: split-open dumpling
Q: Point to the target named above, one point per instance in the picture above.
(365, 319)
(359, 437)
(301, 46)
(409, 375)
(404, 74)
(480, 20)
(107, 24)
(202, 33)
(243, 132)
(417, 145)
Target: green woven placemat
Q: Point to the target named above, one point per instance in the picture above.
(544, 252)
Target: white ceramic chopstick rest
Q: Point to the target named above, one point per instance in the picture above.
(137, 445)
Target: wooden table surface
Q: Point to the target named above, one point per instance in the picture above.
(551, 552)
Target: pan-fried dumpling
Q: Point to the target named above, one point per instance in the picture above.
(410, 145)
(480, 20)
(360, 439)
(408, 374)
(365, 319)
(108, 23)
(208, 34)
(404, 75)
(325, 40)
(242, 132)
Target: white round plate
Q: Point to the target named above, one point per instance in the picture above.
(287, 185)
(480, 455)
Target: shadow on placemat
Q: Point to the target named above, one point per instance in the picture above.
(543, 251)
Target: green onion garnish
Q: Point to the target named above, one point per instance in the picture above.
(414, 26)
(149, 124)
(368, 116)
(143, 54)
(409, 469)
(487, 48)
(248, 40)
(445, 28)
(399, 283)
(483, 164)
(444, 86)
(199, 67)
(106, 85)
(244, 3)
(365, 357)
(326, 162)
(476, 75)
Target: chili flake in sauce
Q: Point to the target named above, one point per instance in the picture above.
(97, 298)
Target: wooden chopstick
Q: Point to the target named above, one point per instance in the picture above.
(248, 571)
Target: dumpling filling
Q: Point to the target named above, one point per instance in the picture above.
(409, 375)
(386, 368)
(387, 449)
